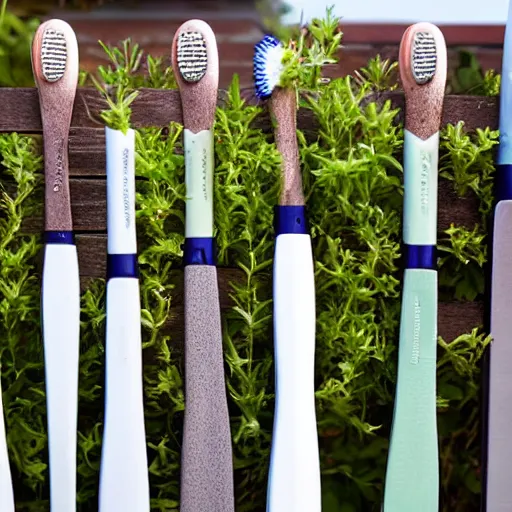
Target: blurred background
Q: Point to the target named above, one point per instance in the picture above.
(473, 30)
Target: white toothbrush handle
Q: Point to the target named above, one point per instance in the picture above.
(294, 480)
(124, 479)
(124, 483)
(61, 335)
(6, 491)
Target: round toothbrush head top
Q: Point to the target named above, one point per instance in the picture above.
(423, 69)
(55, 54)
(267, 65)
(195, 62)
(422, 55)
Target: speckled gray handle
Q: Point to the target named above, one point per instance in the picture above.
(207, 461)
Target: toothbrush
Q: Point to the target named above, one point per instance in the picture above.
(294, 478)
(6, 490)
(55, 67)
(124, 479)
(207, 465)
(497, 492)
(412, 477)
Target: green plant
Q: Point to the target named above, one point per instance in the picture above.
(379, 75)
(353, 181)
(316, 47)
(15, 44)
(467, 161)
(118, 82)
(470, 79)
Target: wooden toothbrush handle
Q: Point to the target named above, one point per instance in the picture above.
(207, 463)
(57, 194)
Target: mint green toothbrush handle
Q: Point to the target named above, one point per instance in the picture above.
(412, 476)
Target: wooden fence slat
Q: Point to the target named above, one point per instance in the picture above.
(87, 152)
(156, 107)
(89, 207)
(455, 210)
(454, 318)
(475, 111)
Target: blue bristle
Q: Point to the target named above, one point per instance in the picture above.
(261, 80)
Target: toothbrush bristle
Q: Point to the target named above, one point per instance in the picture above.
(268, 66)
(53, 55)
(192, 56)
(424, 57)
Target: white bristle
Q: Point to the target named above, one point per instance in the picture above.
(53, 55)
(424, 57)
(192, 56)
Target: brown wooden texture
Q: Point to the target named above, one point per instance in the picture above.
(20, 113)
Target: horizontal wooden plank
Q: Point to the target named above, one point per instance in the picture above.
(89, 207)
(87, 152)
(455, 318)
(455, 210)
(389, 33)
(475, 111)
(155, 107)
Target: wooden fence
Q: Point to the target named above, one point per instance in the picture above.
(20, 113)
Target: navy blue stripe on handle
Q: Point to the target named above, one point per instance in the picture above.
(199, 251)
(420, 256)
(503, 182)
(290, 220)
(122, 265)
(59, 237)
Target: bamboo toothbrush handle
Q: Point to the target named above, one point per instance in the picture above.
(283, 106)
(61, 334)
(6, 491)
(207, 467)
(57, 215)
(294, 480)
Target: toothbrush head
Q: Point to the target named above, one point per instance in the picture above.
(268, 65)
(423, 57)
(423, 68)
(195, 62)
(192, 56)
(55, 54)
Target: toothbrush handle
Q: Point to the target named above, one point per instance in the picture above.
(124, 481)
(504, 153)
(61, 335)
(207, 464)
(6, 490)
(412, 476)
(420, 189)
(294, 480)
